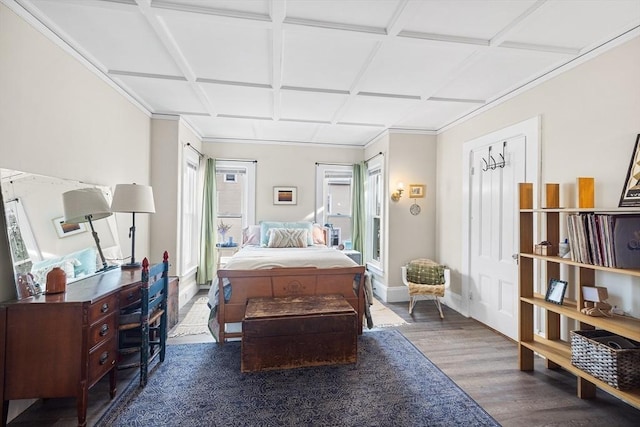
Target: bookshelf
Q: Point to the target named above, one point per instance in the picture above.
(556, 350)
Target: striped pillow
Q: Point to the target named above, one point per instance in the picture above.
(287, 238)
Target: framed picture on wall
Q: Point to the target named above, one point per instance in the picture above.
(631, 191)
(66, 230)
(416, 191)
(285, 195)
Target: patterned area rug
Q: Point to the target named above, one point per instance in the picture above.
(195, 321)
(392, 384)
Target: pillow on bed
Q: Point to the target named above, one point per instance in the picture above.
(265, 226)
(318, 235)
(287, 238)
(251, 235)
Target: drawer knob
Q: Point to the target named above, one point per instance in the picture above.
(104, 357)
(104, 330)
(105, 307)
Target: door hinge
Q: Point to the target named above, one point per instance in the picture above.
(470, 295)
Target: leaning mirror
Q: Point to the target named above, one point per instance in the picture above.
(39, 239)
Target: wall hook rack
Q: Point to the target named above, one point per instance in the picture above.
(490, 162)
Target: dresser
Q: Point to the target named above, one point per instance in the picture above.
(60, 345)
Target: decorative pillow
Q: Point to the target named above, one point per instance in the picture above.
(251, 235)
(287, 238)
(266, 225)
(87, 261)
(425, 272)
(318, 235)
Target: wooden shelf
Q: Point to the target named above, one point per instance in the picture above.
(556, 351)
(559, 352)
(567, 261)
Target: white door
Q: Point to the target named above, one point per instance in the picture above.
(497, 169)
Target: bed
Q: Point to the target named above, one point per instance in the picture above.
(263, 271)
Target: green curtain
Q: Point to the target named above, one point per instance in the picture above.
(206, 265)
(358, 218)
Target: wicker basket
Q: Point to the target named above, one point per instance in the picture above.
(620, 368)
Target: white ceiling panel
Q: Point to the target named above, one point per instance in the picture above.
(116, 36)
(165, 96)
(378, 12)
(435, 114)
(560, 24)
(328, 71)
(498, 71)
(413, 67)
(223, 128)
(240, 100)
(377, 110)
(479, 19)
(222, 52)
(323, 61)
(258, 7)
(316, 106)
(284, 131)
(346, 134)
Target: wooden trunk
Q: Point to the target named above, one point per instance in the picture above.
(291, 332)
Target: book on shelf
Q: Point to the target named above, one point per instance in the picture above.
(604, 239)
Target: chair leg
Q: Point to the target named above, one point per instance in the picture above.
(439, 307)
(412, 303)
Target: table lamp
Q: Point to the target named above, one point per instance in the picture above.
(133, 198)
(86, 205)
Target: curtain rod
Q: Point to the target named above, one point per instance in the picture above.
(334, 164)
(374, 156)
(236, 160)
(195, 149)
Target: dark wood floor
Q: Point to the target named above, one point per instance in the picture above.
(481, 361)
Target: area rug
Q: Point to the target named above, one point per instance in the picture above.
(392, 384)
(195, 321)
(384, 317)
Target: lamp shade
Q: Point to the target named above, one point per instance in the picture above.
(83, 204)
(133, 198)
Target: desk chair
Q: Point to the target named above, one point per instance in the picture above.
(430, 290)
(143, 325)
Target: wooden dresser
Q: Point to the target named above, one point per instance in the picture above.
(60, 345)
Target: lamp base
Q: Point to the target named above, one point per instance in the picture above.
(130, 266)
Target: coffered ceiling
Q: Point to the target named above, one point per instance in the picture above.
(327, 71)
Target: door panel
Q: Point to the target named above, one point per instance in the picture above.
(493, 271)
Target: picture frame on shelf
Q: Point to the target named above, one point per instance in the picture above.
(630, 196)
(416, 191)
(285, 195)
(66, 230)
(555, 291)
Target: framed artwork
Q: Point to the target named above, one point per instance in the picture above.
(416, 191)
(66, 230)
(556, 291)
(285, 195)
(631, 190)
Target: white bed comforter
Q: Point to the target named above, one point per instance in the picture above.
(320, 256)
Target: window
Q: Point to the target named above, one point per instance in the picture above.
(236, 195)
(190, 224)
(375, 212)
(333, 200)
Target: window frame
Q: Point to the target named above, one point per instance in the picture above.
(375, 208)
(190, 232)
(321, 216)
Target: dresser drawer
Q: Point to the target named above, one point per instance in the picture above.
(101, 359)
(103, 307)
(129, 295)
(103, 330)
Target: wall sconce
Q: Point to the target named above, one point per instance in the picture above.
(398, 193)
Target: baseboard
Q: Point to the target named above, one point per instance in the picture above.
(187, 291)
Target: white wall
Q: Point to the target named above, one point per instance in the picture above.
(59, 119)
(280, 165)
(589, 125)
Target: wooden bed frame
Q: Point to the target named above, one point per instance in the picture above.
(281, 282)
